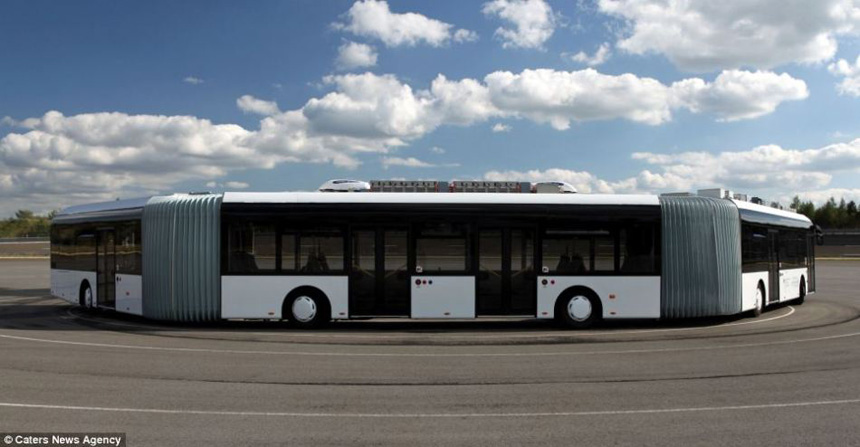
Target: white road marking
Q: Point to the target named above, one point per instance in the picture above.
(791, 311)
(414, 354)
(434, 415)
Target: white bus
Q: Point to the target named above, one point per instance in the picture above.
(313, 257)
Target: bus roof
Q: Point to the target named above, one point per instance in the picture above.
(441, 198)
(751, 212)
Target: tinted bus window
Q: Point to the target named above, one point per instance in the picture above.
(321, 251)
(441, 247)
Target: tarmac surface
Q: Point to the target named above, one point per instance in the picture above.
(789, 377)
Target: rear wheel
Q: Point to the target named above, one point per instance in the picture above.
(578, 309)
(307, 308)
(86, 299)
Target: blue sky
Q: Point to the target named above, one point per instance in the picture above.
(105, 99)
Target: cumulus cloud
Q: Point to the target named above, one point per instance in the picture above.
(464, 35)
(192, 80)
(499, 127)
(599, 57)
(250, 104)
(559, 97)
(850, 74)
(767, 170)
(704, 35)
(93, 156)
(352, 55)
(374, 19)
(532, 22)
(410, 162)
(228, 185)
(736, 95)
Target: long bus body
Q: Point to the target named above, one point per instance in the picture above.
(314, 257)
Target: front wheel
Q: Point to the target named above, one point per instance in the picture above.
(759, 301)
(578, 310)
(801, 297)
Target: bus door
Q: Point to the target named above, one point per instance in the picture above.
(106, 268)
(774, 275)
(506, 281)
(379, 277)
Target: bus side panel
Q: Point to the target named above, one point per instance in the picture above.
(263, 296)
(750, 284)
(789, 285)
(129, 294)
(620, 296)
(66, 284)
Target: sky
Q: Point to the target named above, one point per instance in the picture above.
(114, 99)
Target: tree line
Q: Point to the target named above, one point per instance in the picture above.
(831, 214)
(25, 223)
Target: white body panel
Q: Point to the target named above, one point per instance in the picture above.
(443, 297)
(750, 283)
(263, 296)
(446, 198)
(789, 283)
(66, 284)
(621, 296)
(129, 294)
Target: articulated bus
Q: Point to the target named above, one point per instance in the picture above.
(312, 257)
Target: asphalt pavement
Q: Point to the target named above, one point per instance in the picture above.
(789, 377)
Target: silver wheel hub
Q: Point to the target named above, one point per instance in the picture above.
(758, 297)
(304, 309)
(88, 297)
(579, 308)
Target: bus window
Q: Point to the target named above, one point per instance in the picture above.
(441, 248)
(321, 251)
(566, 252)
(637, 250)
(251, 248)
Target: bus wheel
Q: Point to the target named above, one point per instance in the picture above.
(801, 297)
(578, 309)
(86, 297)
(759, 300)
(307, 308)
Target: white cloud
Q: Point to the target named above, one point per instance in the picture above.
(737, 95)
(767, 171)
(192, 80)
(250, 104)
(600, 56)
(96, 156)
(533, 22)
(355, 55)
(410, 162)
(704, 35)
(228, 185)
(850, 73)
(464, 35)
(374, 19)
(559, 97)
(437, 150)
(499, 127)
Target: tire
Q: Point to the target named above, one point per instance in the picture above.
(579, 308)
(760, 298)
(86, 299)
(306, 308)
(801, 296)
